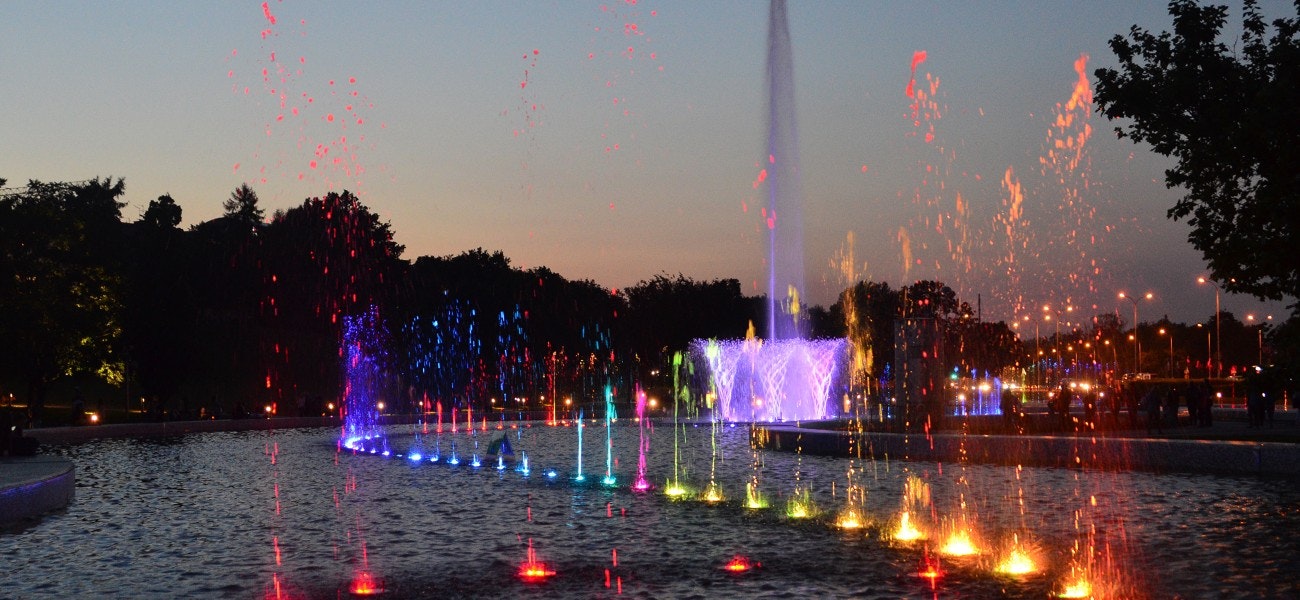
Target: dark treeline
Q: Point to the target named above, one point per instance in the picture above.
(247, 311)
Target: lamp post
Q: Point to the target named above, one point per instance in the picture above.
(1218, 341)
(1056, 336)
(1209, 355)
(1251, 318)
(1114, 352)
(1137, 341)
(1037, 367)
(1169, 333)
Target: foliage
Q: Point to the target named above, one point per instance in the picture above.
(236, 312)
(665, 314)
(242, 207)
(1227, 115)
(327, 258)
(60, 288)
(162, 213)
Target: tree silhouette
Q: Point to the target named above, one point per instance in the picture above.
(1227, 115)
(60, 291)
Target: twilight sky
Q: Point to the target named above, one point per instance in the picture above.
(614, 140)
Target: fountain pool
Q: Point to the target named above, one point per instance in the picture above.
(284, 514)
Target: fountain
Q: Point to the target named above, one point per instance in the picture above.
(389, 515)
(781, 380)
(784, 214)
(783, 377)
(367, 376)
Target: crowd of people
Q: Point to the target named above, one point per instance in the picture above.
(1153, 405)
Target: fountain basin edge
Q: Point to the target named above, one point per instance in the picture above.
(1271, 459)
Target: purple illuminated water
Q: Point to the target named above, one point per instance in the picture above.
(772, 380)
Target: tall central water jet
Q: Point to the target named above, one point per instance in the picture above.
(782, 377)
(784, 213)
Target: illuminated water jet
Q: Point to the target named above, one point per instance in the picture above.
(772, 380)
(784, 212)
(851, 518)
(916, 495)
(713, 494)
(533, 570)
(1017, 559)
(365, 584)
(959, 543)
(609, 480)
(906, 530)
(753, 497)
(366, 374)
(1076, 588)
(801, 505)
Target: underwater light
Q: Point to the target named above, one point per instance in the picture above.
(534, 572)
(365, 584)
(959, 544)
(1017, 562)
(1079, 588)
(740, 564)
(930, 572)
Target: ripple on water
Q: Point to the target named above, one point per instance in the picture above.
(196, 516)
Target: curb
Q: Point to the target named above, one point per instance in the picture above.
(33, 486)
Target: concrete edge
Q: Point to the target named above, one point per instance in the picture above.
(44, 489)
(79, 434)
(1270, 459)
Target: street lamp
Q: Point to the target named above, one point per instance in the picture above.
(1038, 368)
(1209, 355)
(1251, 318)
(1056, 337)
(1137, 341)
(1114, 352)
(1171, 349)
(1218, 341)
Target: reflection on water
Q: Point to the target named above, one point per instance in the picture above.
(251, 514)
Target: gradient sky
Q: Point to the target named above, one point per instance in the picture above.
(617, 140)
